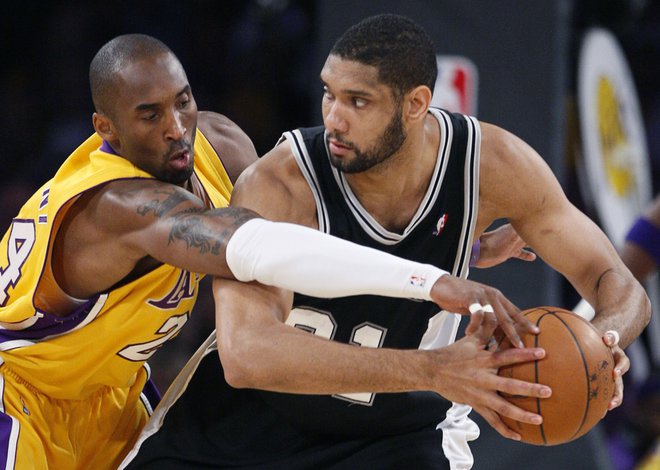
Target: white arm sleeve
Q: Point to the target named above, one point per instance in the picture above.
(307, 261)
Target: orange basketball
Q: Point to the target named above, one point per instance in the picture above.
(577, 367)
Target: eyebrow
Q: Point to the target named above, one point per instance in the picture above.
(147, 106)
(348, 91)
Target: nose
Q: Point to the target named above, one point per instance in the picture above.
(334, 120)
(176, 128)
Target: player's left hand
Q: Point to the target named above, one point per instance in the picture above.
(482, 302)
(501, 244)
(621, 366)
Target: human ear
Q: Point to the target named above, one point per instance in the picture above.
(417, 102)
(103, 126)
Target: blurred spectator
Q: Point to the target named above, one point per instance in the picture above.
(634, 428)
(641, 250)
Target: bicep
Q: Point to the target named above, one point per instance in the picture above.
(538, 209)
(275, 188)
(573, 245)
(140, 214)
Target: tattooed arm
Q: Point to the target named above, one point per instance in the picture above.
(127, 228)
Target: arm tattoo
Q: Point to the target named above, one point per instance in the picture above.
(161, 207)
(190, 229)
(189, 226)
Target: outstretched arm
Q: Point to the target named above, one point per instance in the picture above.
(275, 188)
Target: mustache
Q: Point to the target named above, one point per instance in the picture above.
(341, 140)
(178, 146)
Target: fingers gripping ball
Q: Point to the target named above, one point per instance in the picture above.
(577, 367)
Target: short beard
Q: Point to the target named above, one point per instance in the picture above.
(182, 176)
(179, 177)
(388, 144)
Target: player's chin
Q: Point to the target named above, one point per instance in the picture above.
(179, 176)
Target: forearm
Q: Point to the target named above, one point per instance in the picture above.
(284, 359)
(234, 243)
(259, 350)
(307, 261)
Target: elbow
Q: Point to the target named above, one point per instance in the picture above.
(236, 377)
(647, 310)
(239, 365)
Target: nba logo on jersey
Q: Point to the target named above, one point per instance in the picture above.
(456, 85)
(439, 227)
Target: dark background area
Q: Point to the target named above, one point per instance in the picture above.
(257, 61)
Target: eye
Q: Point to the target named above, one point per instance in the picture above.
(326, 94)
(359, 102)
(184, 103)
(150, 117)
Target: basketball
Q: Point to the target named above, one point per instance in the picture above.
(578, 368)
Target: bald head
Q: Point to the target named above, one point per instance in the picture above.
(112, 58)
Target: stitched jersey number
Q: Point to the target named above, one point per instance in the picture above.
(20, 243)
(143, 351)
(324, 325)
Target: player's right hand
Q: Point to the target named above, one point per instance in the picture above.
(467, 373)
(480, 302)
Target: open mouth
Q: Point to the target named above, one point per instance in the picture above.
(180, 160)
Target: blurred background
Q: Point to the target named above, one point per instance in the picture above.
(514, 63)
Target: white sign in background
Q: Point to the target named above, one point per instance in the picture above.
(614, 147)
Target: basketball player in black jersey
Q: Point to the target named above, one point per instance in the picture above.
(365, 381)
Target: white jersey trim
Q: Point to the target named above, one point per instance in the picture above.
(471, 199)
(304, 161)
(174, 392)
(370, 225)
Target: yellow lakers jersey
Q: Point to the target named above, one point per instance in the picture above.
(107, 338)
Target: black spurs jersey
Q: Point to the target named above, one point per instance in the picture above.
(440, 233)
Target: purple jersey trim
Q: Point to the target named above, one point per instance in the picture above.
(7, 444)
(151, 394)
(105, 147)
(51, 325)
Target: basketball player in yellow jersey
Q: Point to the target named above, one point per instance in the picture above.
(99, 268)
(80, 312)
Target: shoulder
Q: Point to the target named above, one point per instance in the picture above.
(275, 187)
(230, 142)
(503, 154)
(498, 143)
(513, 177)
